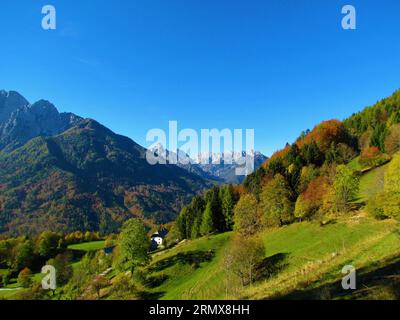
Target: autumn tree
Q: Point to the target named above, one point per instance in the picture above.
(311, 200)
(99, 282)
(325, 133)
(345, 187)
(372, 156)
(246, 217)
(308, 173)
(392, 142)
(276, 205)
(243, 257)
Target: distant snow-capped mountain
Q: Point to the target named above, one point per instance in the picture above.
(217, 167)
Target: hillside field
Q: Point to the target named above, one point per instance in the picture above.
(304, 260)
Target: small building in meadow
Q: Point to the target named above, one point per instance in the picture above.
(157, 238)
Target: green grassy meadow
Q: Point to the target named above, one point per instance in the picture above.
(87, 246)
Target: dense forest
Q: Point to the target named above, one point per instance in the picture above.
(307, 179)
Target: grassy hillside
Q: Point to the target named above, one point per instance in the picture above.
(191, 270)
(372, 182)
(87, 246)
(304, 260)
(313, 257)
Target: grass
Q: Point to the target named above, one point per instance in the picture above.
(371, 183)
(310, 260)
(192, 270)
(316, 255)
(8, 294)
(355, 165)
(88, 246)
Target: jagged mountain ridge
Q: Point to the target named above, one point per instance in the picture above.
(83, 178)
(21, 121)
(211, 166)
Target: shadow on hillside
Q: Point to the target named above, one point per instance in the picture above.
(145, 295)
(387, 277)
(76, 255)
(271, 266)
(193, 258)
(155, 281)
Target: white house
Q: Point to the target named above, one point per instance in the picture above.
(156, 237)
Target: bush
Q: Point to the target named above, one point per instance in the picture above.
(372, 156)
(375, 206)
(384, 205)
(34, 293)
(245, 254)
(6, 278)
(24, 278)
(62, 264)
(123, 288)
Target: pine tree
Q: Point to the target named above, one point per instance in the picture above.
(227, 204)
(207, 221)
(195, 232)
(218, 218)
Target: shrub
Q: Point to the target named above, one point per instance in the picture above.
(24, 278)
(371, 157)
(243, 257)
(375, 206)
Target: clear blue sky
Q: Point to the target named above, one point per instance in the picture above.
(276, 66)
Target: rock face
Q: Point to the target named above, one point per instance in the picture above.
(66, 173)
(10, 102)
(21, 121)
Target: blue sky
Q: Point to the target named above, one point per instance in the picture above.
(277, 66)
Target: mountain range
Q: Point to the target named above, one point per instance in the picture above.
(211, 166)
(61, 172)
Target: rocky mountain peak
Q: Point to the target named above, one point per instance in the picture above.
(21, 121)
